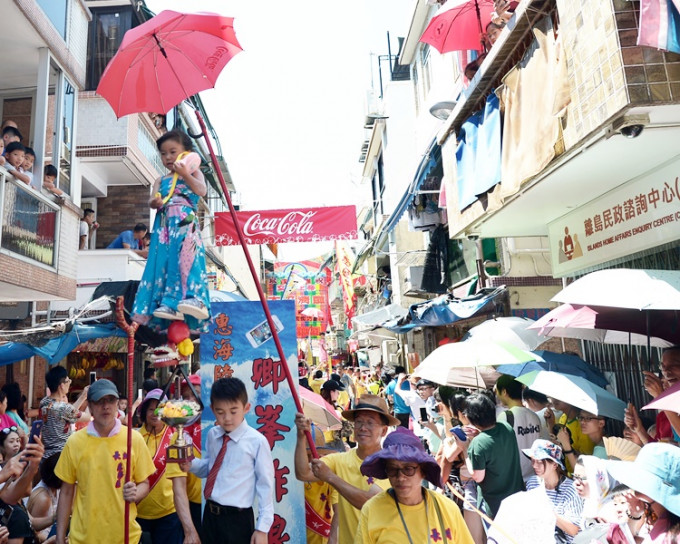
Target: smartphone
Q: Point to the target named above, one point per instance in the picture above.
(423, 413)
(36, 428)
(261, 332)
(459, 432)
(5, 513)
(93, 377)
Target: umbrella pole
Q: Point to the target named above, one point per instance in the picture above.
(481, 39)
(130, 329)
(253, 272)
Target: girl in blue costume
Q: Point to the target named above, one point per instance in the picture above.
(174, 284)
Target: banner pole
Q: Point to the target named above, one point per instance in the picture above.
(258, 286)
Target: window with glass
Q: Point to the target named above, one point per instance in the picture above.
(57, 13)
(106, 32)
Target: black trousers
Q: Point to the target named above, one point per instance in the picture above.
(226, 524)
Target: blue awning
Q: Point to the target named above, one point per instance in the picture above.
(56, 349)
(446, 309)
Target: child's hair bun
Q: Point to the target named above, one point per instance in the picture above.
(192, 161)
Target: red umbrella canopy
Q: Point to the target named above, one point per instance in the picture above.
(167, 59)
(459, 28)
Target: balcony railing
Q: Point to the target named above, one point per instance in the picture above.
(29, 222)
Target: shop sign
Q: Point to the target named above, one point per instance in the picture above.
(639, 215)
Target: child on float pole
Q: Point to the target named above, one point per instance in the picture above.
(238, 466)
(174, 283)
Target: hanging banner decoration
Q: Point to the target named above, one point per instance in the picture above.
(239, 344)
(345, 262)
(306, 283)
(297, 225)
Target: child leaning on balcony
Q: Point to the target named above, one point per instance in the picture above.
(174, 283)
(49, 180)
(15, 154)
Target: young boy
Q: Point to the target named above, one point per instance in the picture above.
(27, 167)
(237, 464)
(15, 153)
(49, 180)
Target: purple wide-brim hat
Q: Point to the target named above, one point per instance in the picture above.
(402, 445)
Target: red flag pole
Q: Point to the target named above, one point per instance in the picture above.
(130, 329)
(253, 272)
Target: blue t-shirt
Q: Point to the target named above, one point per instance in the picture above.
(400, 406)
(125, 237)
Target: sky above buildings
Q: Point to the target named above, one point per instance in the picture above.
(289, 109)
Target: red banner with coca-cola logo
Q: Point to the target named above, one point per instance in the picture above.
(278, 226)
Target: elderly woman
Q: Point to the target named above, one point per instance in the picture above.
(408, 512)
(546, 460)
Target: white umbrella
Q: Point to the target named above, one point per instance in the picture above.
(444, 364)
(625, 288)
(513, 330)
(524, 518)
(483, 377)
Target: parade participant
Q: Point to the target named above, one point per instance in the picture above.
(238, 467)
(321, 500)
(156, 513)
(408, 512)
(56, 412)
(330, 392)
(654, 476)
(546, 458)
(491, 457)
(342, 470)
(95, 459)
(174, 282)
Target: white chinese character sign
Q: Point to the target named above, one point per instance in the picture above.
(239, 344)
(639, 215)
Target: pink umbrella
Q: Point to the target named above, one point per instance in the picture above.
(319, 411)
(599, 324)
(314, 313)
(668, 400)
(166, 60)
(459, 28)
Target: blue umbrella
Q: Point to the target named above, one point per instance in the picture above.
(557, 362)
(576, 391)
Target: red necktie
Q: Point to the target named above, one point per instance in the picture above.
(212, 475)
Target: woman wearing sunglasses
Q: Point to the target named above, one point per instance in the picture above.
(408, 512)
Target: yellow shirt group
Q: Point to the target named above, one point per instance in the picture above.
(97, 465)
(347, 465)
(159, 502)
(380, 521)
(580, 442)
(321, 496)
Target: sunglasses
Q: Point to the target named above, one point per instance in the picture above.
(11, 429)
(408, 470)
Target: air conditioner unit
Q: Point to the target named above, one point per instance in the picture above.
(394, 359)
(389, 347)
(413, 279)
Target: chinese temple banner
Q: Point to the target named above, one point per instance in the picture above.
(345, 262)
(239, 344)
(295, 225)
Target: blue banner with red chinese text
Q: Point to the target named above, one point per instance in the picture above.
(239, 344)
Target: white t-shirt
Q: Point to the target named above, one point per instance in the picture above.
(527, 428)
(85, 231)
(414, 402)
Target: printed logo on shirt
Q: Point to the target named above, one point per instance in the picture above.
(530, 429)
(119, 468)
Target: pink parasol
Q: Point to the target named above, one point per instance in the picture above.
(319, 411)
(460, 28)
(668, 400)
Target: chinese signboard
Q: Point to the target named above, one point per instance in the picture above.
(277, 226)
(239, 344)
(639, 215)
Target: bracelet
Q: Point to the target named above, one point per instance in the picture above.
(565, 452)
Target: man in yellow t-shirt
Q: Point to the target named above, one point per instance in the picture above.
(156, 514)
(581, 444)
(95, 458)
(341, 470)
